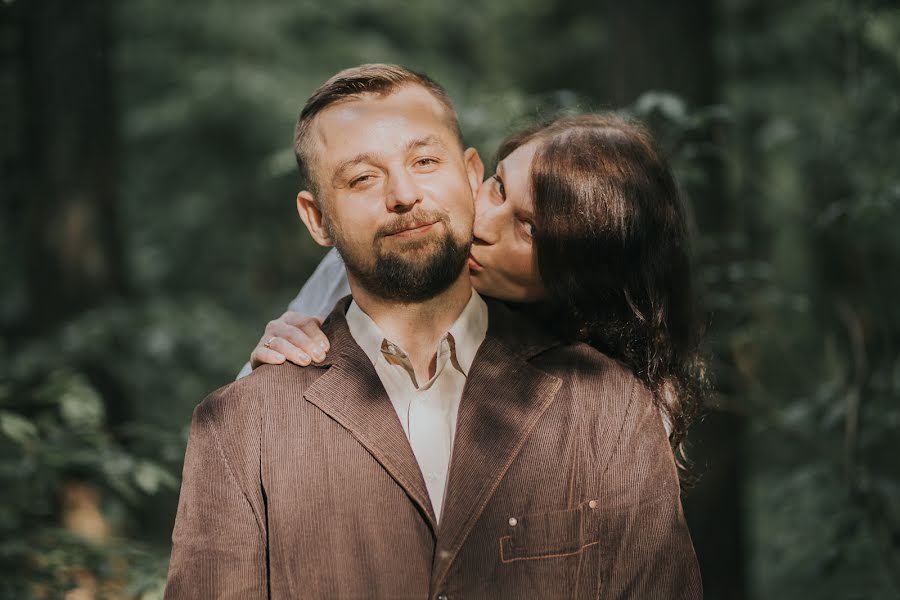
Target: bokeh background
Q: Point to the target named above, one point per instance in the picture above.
(148, 232)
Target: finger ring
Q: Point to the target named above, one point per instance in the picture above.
(268, 343)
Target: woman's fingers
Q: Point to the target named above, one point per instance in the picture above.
(313, 329)
(294, 337)
(265, 356)
(298, 338)
(290, 351)
(310, 327)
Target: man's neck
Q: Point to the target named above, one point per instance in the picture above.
(416, 327)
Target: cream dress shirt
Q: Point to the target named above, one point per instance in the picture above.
(428, 409)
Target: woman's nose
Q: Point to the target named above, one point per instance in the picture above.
(486, 227)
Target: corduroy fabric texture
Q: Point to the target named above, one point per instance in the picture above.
(299, 482)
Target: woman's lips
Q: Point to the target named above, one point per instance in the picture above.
(474, 265)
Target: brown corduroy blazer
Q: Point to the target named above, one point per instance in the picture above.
(299, 482)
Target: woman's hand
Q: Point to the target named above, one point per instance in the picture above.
(292, 336)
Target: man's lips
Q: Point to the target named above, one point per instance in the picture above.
(415, 229)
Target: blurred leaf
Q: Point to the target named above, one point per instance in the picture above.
(667, 104)
(81, 407)
(17, 428)
(150, 477)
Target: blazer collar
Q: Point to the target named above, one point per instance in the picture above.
(351, 393)
(502, 402)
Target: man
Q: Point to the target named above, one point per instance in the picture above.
(444, 449)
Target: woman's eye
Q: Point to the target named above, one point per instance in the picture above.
(500, 187)
(530, 229)
(360, 180)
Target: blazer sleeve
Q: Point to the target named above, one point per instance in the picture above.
(646, 536)
(319, 294)
(218, 545)
(324, 288)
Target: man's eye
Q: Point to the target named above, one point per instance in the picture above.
(426, 162)
(359, 180)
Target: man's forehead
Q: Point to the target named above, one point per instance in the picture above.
(388, 122)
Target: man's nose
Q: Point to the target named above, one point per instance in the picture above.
(403, 192)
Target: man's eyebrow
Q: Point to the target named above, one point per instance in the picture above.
(351, 162)
(431, 140)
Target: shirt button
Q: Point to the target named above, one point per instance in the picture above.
(592, 504)
(513, 521)
(442, 597)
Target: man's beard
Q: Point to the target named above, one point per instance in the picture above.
(419, 273)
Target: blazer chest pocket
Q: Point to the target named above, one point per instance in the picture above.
(552, 534)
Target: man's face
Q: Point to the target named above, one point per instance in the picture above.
(396, 192)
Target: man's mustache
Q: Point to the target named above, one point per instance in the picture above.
(411, 221)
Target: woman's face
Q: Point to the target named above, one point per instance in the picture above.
(503, 263)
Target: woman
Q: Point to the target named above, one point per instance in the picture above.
(583, 225)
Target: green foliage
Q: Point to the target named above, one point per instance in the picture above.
(57, 447)
(93, 422)
(815, 88)
(792, 178)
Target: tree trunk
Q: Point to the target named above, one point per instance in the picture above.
(65, 194)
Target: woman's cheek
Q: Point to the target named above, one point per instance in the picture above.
(526, 266)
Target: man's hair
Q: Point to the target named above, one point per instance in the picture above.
(379, 79)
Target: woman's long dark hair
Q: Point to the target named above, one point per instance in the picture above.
(613, 252)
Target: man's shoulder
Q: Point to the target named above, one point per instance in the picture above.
(518, 331)
(585, 364)
(245, 399)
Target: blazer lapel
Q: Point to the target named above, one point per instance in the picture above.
(502, 402)
(351, 393)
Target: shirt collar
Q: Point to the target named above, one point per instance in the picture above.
(468, 331)
(364, 330)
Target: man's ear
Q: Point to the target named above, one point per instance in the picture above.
(312, 217)
(474, 169)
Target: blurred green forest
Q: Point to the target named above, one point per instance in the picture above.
(148, 232)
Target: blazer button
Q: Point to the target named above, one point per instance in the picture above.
(442, 597)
